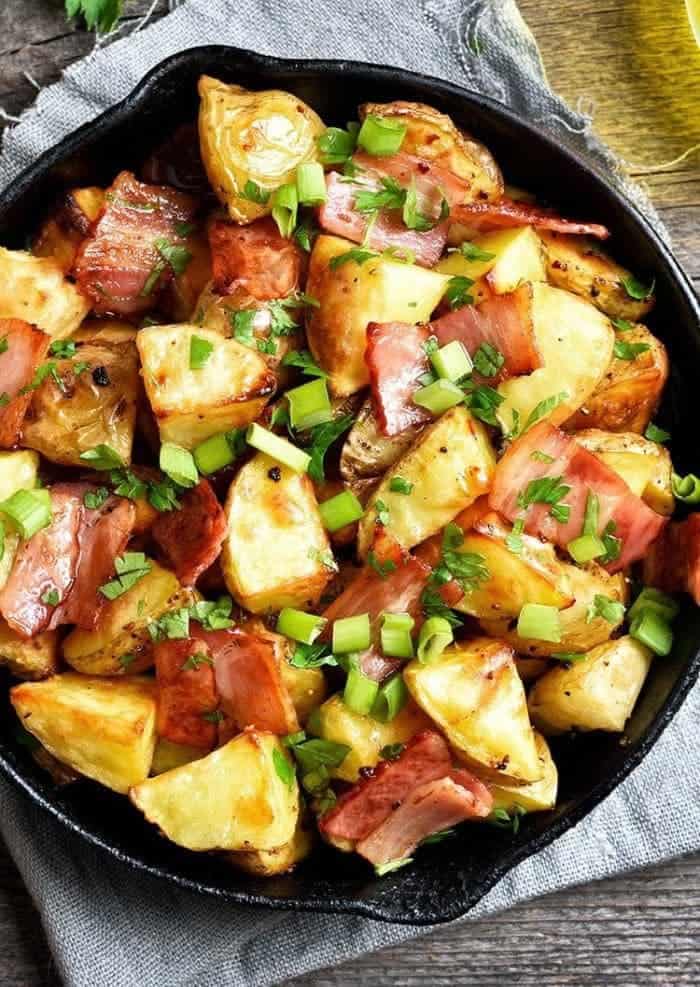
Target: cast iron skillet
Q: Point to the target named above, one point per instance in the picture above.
(446, 879)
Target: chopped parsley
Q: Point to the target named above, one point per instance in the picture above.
(613, 545)
(215, 716)
(51, 598)
(622, 325)
(543, 408)
(322, 438)
(433, 605)
(431, 345)
(547, 490)
(359, 255)
(312, 656)
(129, 568)
(541, 457)
(196, 661)
(656, 434)
(94, 499)
(303, 360)
(102, 457)
(305, 234)
(283, 767)
(483, 401)
(383, 569)
(398, 484)
(629, 351)
(507, 820)
(636, 290)
(457, 292)
(389, 196)
(469, 569)
(213, 615)
(200, 351)
(254, 193)
(242, 323)
(126, 659)
(4, 344)
(382, 512)
(471, 252)
(173, 625)
(514, 540)
(488, 360)
(390, 752)
(64, 349)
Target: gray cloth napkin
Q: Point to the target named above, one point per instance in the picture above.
(111, 927)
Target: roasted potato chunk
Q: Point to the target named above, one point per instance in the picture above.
(432, 135)
(450, 464)
(259, 137)
(168, 755)
(367, 454)
(578, 264)
(232, 799)
(34, 289)
(268, 863)
(580, 629)
(596, 693)
(276, 553)
(102, 728)
(474, 694)
(63, 232)
(105, 332)
(33, 658)
(516, 257)
(534, 575)
(364, 735)
(120, 643)
(538, 795)
(83, 406)
(307, 688)
(645, 466)
(626, 397)
(230, 390)
(353, 295)
(576, 343)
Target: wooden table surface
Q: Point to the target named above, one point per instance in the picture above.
(643, 928)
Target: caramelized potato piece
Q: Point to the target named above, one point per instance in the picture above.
(102, 728)
(281, 860)
(34, 289)
(28, 658)
(367, 454)
(626, 397)
(64, 230)
(645, 466)
(232, 799)
(538, 795)
(597, 693)
(475, 696)
(259, 137)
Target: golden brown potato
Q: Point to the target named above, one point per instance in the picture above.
(168, 755)
(538, 795)
(259, 137)
(626, 397)
(268, 863)
(105, 332)
(367, 454)
(33, 658)
(34, 289)
(578, 264)
(102, 728)
(596, 693)
(120, 643)
(85, 406)
(351, 296)
(63, 232)
(516, 256)
(534, 575)
(276, 553)
(450, 464)
(576, 343)
(578, 632)
(645, 466)
(474, 694)
(232, 799)
(364, 735)
(229, 391)
(432, 135)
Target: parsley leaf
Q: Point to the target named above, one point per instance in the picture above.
(457, 292)
(469, 569)
(488, 360)
(656, 434)
(254, 193)
(636, 290)
(305, 362)
(213, 615)
(64, 349)
(4, 344)
(472, 252)
(389, 196)
(358, 254)
(483, 401)
(629, 351)
(242, 323)
(102, 457)
(547, 490)
(414, 219)
(312, 656)
(507, 820)
(382, 512)
(514, 541)
(622, 325)
(195, 661)
(129, 568)
(398, 484)
(177, 256)
(305, 234)
(99, 15)
(51, 598)
(322, 438)
(433, 605)
(383, 569)
(543, 408)
(283, 767)
(200, 351)
(390, 752)
(94, 499)
(613, 545)
(173, 625)
(541, 457)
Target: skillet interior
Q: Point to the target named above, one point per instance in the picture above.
(448, 878)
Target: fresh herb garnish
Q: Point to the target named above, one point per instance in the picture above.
(383, 569)
(471, 252)
(547, 490)
(622, 325)
(390, 752)
(433, 605)
(514, 540)
(102, 457)
(507, 820)
(469, 569)
(636, 290)
(613, 545)
(382, 512)
(173, 625)
(305, 362)
(389, 196)
(457, 292)
(242, 323)
(129, 568)
(100, 15)
(283, 767)
(94, 499)
(51, 598)
(312, 656)
(305, 234)
(483, 401)
(196, 661)
(322, 438)
(215, 716)
(611, 610)
(656, 434)
(213, 615)
(629, 351)
(398, 484)
(541, 457)
(200, 351)
(488, 360)
(543, 408)
(64, 349)
(254, 193)
(358, 254)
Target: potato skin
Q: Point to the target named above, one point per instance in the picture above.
(63, 231)
(33, 658)
(626, 397)
(252, 136)
(281, 860)
(367, 454)
(597, 693)
(645, 466)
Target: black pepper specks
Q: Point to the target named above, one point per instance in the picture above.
(275, 473)
(101, 377)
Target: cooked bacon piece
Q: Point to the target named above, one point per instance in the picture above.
(504, 321)
(191, 537)
(428, 809)
(396, 359)
(22, 348)
(249, 681)
(432, 181)
(672, 563)
(255, 258)
(186, 692)
(119, 267)
(486, 216)
(635, 524)
(338, 215)
(359, 811)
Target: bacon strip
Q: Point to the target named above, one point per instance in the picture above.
(191, 537)
(483, 217)
(359, 811)
(23, 347)
(255, 258)
(432, 180)
(428, 809)
(672, 563)
(119, 266)
(396, 359)
(186, 692)
(636, 524)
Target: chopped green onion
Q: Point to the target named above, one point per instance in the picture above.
(435, 635)
(452, 361)
(396, 635)
(398, 621)
(439, 396)
(300, 626)
(391, 865)
(398, 484)
(656, 601)
(338, 511)
(29, 511)
(539, 622)
(284, 768)
(102, 457)
(381, 137)
(213, 454)
(360, 692)
(178, 464)
(585, 548)
(311, 184)
(200, 351)
(351, 634)
(391, 699)
(686, 488)
(285, 205)
(651, 629)
(277, 448)
(309, 404)
(335, 145)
